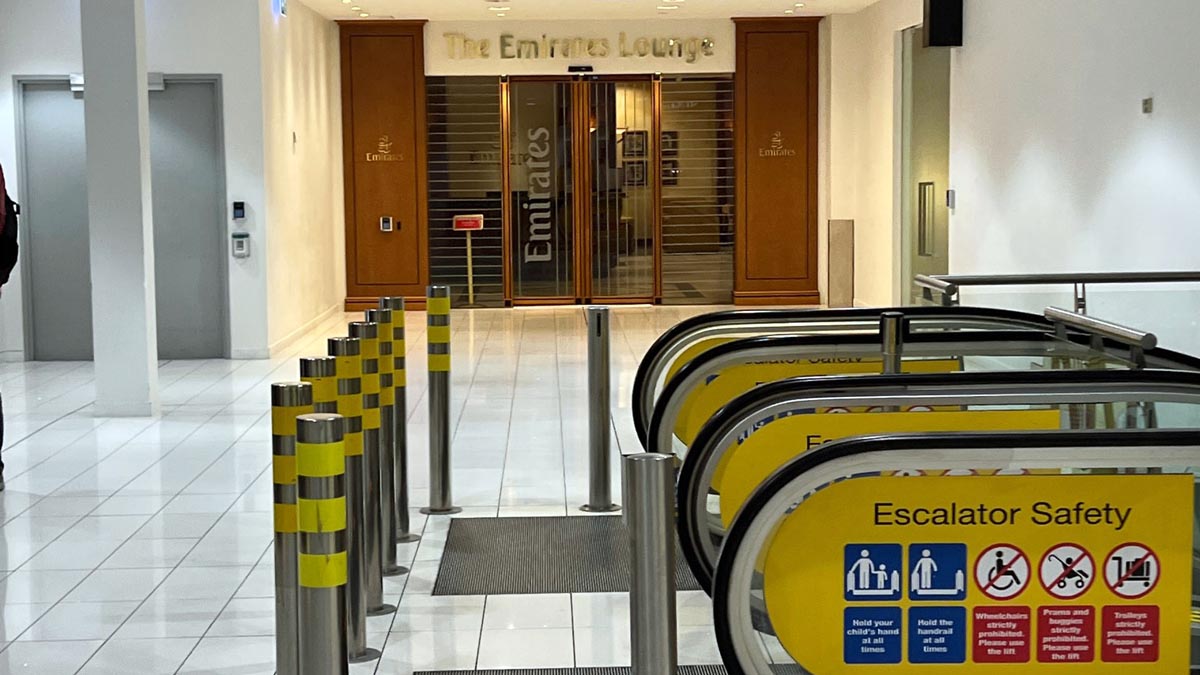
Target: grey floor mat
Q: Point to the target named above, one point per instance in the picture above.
(566, 554)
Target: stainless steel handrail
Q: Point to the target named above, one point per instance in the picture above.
(673, 404)
(761, 323)
(1108, 329)
(948, 285)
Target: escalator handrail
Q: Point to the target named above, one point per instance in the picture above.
(675, 340)
(661, 428)
(718, 434)
(851, 448)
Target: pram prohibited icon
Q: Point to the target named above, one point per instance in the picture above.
(1132, 570)
(1067, 571)
(1002, 571)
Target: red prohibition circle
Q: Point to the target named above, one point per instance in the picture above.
(1086, 588)
(1151, 587)
(985, 552)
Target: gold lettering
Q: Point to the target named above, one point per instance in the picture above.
(506, 46)
(485, 46)
(527, 49)
(598, 48)
(641, 46)
(623, 52)
(454, 43)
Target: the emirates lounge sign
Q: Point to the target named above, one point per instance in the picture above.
(689, 49)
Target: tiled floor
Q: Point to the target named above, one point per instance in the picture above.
(143, 545)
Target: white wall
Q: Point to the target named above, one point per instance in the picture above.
(864, 115)
(1056, 168)
(302, 95)
(214, 37)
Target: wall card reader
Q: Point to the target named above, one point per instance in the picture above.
(386, 224)
(239, 210)
(241, 244)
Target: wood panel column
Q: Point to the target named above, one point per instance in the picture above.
(384, 136)
(776, 153)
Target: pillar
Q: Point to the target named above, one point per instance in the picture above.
(121, 228)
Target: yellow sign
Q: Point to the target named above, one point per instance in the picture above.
(1012, 574)
(703, 402)
(744, 467)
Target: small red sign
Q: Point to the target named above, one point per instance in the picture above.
(1129, 634)
(1001, 634)
(469, 223)
(1066, 634)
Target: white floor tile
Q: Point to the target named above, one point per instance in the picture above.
(527, 648)
(79, 621)
(246, 617)
(420, 613)
(18, 617)
(45, 658)
(602, 646)
(39, 585)
(144, 657)
(172, 618)
(105, 585)
(527, 611)
(448, 650)
(150, 553)
(232, 656)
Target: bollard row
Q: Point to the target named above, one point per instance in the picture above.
(339, 443)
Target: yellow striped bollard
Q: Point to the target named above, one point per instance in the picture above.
(387, 442)
(348, 352)
(321, 517)
(404, 532)
(288, 401)
(437, 309)
(368, 338)
(321, 373)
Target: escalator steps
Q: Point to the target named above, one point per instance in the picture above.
(564, 554)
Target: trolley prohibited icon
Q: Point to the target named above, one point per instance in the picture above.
(1132, 570)
(1067, 571)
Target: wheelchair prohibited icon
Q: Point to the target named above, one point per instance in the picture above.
(1002, 571)
(1067, 571)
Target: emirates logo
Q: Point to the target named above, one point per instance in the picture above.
(384, 151)
(776, 147)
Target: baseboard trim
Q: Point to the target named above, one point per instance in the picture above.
(777, 298)
(290, 339)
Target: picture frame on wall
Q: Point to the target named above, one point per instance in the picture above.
(670, 144)
(634, 144)
(670, 172)
(635, 173)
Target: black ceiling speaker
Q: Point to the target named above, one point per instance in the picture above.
(943, 23)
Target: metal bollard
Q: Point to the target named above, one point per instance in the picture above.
(368, 338)
(599, 414)
(321, 373)
(288, 401)
(387, 442)
(404, 534)
(441, 501)
(321, 517)
(891, 335)
(649, 481)
(348, 353)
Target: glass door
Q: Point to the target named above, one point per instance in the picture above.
(622, 180)
(541, 191)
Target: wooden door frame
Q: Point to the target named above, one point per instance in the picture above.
(415, 30)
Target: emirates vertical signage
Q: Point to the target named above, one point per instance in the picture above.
(537, 214)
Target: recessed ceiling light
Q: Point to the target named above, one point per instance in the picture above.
(346, 2)
(667, 8)
(789, 11)
(499, 9)
(799, 4)
(501, 14)
(364, 15)
(356, 8)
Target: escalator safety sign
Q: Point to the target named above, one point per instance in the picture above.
(876, 575)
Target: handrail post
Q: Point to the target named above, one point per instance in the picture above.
(1080, 298)
(599, 414)
(649, 481)
(891, 336)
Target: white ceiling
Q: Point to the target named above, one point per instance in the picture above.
(579, 9)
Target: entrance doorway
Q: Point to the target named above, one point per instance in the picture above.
(188, 211)
(614, 189)
(581, 190)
